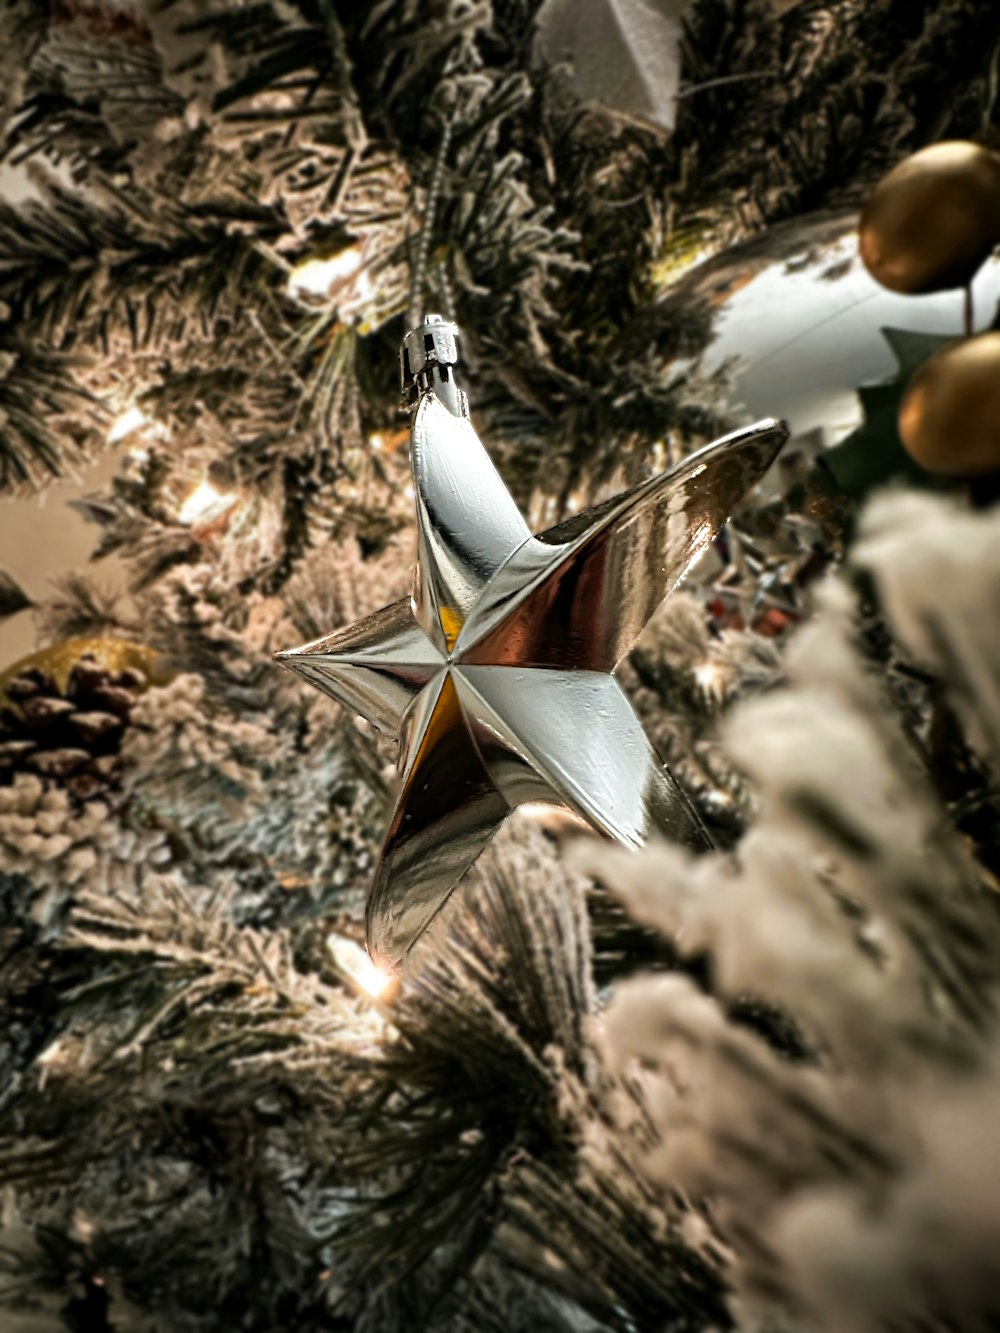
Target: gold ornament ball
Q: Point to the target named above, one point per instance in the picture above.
(949, 419)
(932, 222)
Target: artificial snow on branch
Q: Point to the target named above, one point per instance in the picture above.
(854, 905)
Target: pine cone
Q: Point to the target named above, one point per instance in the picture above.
(71, 738)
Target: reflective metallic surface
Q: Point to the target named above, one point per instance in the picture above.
(497, 678)
(467, 524)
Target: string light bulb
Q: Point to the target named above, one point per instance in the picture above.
(127, 422)
(710, 678)
(365, 975)
(322, 277)
(203, 501)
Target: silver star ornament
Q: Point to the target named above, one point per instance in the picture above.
(497, 674)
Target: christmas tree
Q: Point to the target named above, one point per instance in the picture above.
(755, 1088)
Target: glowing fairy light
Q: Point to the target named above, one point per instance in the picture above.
(359, 969)
(372, 980)
(557, 820)
(56, 1058)
(136, 460)
(203, 501)
(710, 677)
(129, 421)
(53, 1055)
(321, 277)
(537, 811)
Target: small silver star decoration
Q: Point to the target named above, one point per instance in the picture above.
(497, 675)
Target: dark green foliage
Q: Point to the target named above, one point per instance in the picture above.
(818, 103)
(349, 1175)
(46, 415)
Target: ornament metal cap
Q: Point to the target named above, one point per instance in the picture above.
(428, 357)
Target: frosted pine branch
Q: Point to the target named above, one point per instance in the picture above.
(852, 904)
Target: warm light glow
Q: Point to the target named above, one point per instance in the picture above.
(201, 502)
(557, 820)
(55, 1057)
(372, 980)
(710, 676)
(130, 420)
(680, 259)
(52, 1055)
(539, 811)
(359, 969)
(375, 441)
(660, 456)
(319, 277)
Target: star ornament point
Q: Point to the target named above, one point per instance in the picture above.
(497, 675)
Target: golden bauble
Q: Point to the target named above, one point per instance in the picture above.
(933, 220)
(949, 419)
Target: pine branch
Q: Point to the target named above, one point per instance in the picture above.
(846, 88)
(79, 608)
(89, 100)
(73, 270)
(22, 30)
(46, 415)
(453, 1148)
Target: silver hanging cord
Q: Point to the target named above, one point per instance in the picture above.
(447, 296)
(429, 353)
(415, 311)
